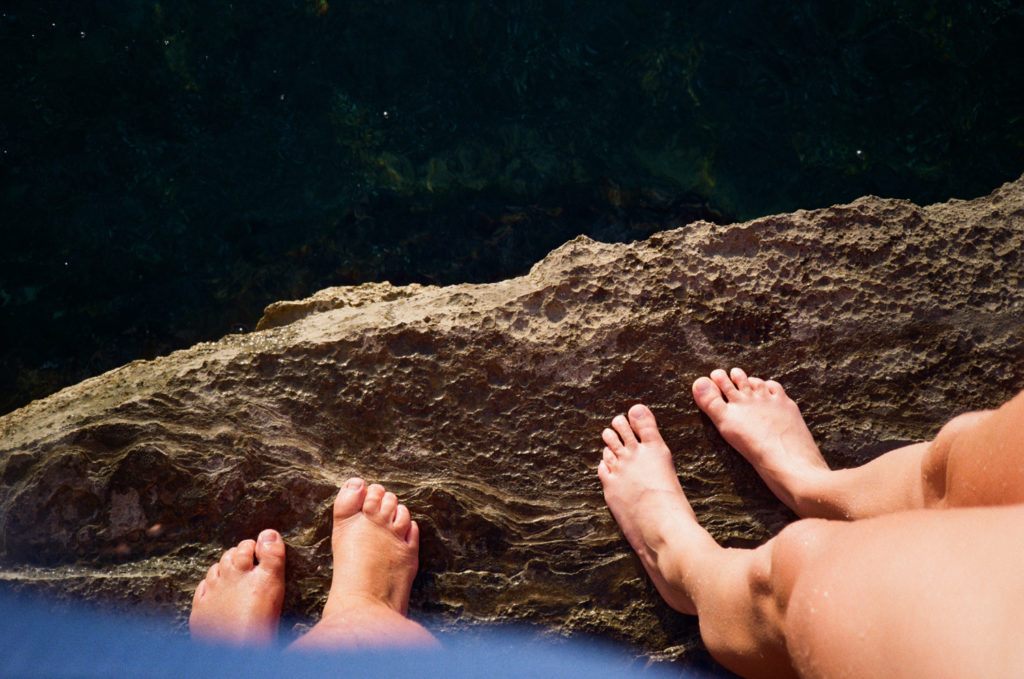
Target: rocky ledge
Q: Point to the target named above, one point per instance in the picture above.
(482, 407)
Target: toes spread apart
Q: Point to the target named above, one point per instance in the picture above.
(739, 378)
(621, 425)
(612, 440)
(724, 383)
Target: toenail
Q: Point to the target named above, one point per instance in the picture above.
(269, 536)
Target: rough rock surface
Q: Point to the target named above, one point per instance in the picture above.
(482, 406)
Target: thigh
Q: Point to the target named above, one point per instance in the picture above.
(914, 594)
(977, 459)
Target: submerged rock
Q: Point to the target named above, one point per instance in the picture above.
(481, 406)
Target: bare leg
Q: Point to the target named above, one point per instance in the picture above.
(239, 601)
(826, 598)
(977, 459)
(376, 547)
(644, 495)
(949, 604)
(966, 465)
(740, 619)
(760, 421)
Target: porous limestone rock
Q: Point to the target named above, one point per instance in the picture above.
(481, 406)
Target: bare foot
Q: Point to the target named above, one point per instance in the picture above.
(239, 602)
(644, 495)
(766, 427)
(376, 554)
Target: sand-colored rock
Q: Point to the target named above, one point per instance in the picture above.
(482, 406)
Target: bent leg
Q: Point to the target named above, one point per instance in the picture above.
(729, 589)
(830, 599)
(827, 598)
(977, 459)
(950, 604)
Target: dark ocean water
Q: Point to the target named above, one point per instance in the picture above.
(169, 168)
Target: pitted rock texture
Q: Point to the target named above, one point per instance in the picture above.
(481, 406)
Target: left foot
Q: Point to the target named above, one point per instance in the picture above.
(240, 600)
(644, 495)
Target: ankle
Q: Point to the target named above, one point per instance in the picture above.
(343, 602)
(690, 552)
(816, 495)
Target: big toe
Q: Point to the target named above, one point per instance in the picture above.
(350, 498)
(642, 420)
(708, 396)
(270, 552)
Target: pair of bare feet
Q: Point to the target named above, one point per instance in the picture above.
(375, 544)
(642, 489)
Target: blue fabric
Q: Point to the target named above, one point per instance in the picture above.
(37, 642)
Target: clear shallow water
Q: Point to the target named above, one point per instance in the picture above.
(167, 169)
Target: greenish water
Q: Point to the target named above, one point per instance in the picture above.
(167, 169)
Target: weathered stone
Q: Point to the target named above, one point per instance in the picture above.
(482, 407)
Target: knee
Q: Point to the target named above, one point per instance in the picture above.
(774, 568)
(798, 546)
(746, 628)
(935, 463)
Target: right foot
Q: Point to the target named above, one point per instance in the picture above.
(644, 495)
(757, 419)
(376, 546)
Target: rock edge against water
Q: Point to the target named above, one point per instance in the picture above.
(482, 407)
